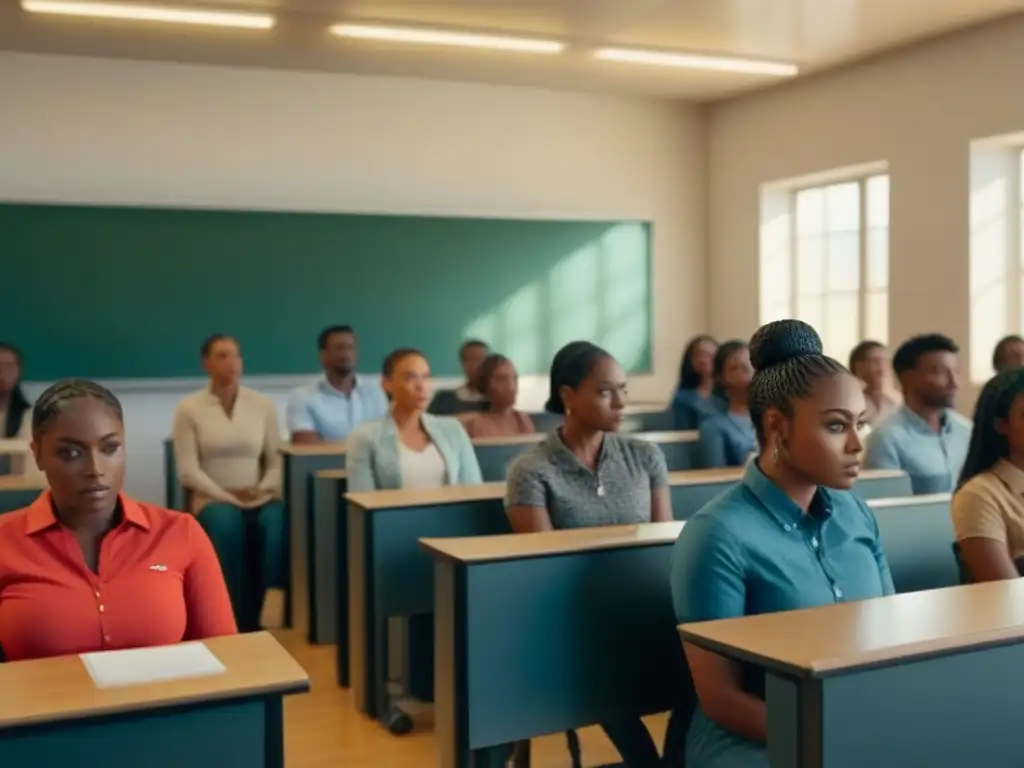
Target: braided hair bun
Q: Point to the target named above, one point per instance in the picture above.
(781, 341)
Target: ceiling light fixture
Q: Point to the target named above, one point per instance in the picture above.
(420, 36)
(698, 61)
(150, 13)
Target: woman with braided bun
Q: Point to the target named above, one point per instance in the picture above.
(85, 567)
(789, 535)
(988, 506)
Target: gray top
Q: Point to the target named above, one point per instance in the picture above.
(550, 476)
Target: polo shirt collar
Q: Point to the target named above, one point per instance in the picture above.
(326, 386)
(40, 515)
(782, 508)
(1011, 476)
(561, 454)
(914, 421)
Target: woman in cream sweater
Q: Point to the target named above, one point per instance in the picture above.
(226, 445)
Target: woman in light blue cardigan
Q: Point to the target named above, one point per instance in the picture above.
(410, 448)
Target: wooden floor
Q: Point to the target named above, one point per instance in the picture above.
(323, 730)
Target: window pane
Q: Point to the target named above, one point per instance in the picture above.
(843, 261)
(810, 211)
(810, 265)
(842, 324)
(810, 310)
(876, 316)
(842, 207)
(878, 201)
(878, 258)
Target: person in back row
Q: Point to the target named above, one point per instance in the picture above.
(988, 506)
(498, 381)
(925, 437)
(727, 438)
(467, 398)
(15, 412)
(1008, 353)
(789, 535)
(86, 568)
(227, 449)
(329, 408)
(585, 474)
(869, 362)
(694, 398)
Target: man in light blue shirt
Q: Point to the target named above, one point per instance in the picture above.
(925, 438)
(332, 406)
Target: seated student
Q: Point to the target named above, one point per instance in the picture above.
(498, 381)
(925, 437)
(585, 474)
(409, 448)
(84, 567)
(329, 408)
(467, 398)
(727, 439)
(15, 410)
(227, 448)
(694, 397)
(789, 535)
(869, 362)
(988, 506)
(1008, 353)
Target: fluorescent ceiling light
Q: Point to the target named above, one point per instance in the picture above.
(698, 61)
(150, 13)
(441, 37)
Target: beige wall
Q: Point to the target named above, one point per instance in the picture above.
(126, 132)
(917, 109)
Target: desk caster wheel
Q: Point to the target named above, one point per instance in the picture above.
(397, 722)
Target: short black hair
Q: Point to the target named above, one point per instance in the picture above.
(56, 398)
(207, 346)
(571, 365)
(397, 356)
(913, 349)
(788, 358)
(988, 445)
(487, 369)
(18, 405)
(725, 350)
(468, 345)
(861, 352)
(325, 335)
(999, 353)
(688, 377)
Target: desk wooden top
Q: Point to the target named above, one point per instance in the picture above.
(687, 436)
(49, 690)
(476, 549)
(21, 483)
(12, 446)
(313, 449)
(834, 639)
(331, 474)
(909, 501)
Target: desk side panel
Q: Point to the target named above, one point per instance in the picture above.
(328, 556)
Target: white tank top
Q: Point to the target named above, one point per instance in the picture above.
(421, 469)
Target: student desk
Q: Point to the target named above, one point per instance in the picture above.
(17, 491)
(922, 679)
(10, 447)
(388, 575)
(51, 713)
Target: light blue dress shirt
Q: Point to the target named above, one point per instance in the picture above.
(725, 440)
(319, 407)
(933, 460)
(752, 550)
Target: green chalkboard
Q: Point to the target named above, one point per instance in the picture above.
(122, 293)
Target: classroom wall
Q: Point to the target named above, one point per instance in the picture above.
(79, 130)
(918, 109)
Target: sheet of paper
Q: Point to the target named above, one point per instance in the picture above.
(151, 665)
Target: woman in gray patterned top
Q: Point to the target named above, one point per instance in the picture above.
(585, 474)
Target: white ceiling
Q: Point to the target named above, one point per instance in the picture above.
(816, 34)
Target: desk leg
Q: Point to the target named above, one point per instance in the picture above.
(794, 722)
(362, 632)
(341, 586)
(273, 731)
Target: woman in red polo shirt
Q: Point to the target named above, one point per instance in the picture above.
(85, 568)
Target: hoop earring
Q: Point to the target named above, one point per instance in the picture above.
(775, 452)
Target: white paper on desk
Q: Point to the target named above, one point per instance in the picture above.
(151, 665)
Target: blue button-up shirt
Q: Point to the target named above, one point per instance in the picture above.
(725, 440)
(933, 460)
(319, 407)
(752, 550)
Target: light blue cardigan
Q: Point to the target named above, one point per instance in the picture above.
(371, 454)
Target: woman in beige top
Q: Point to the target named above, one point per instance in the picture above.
(869, 362)
(498, 381)
(988, 506)
(226, 445)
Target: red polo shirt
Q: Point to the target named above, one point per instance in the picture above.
(159, 583)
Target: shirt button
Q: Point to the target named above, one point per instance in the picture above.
(814, 542)
(837, 592)
(787, 527)
(97, 594)
(101, 608)
(106, 638)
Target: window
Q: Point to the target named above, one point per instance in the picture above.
(835, 259)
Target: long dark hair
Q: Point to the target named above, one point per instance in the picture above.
(688, 376)
(988, 445)
(19, 404)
